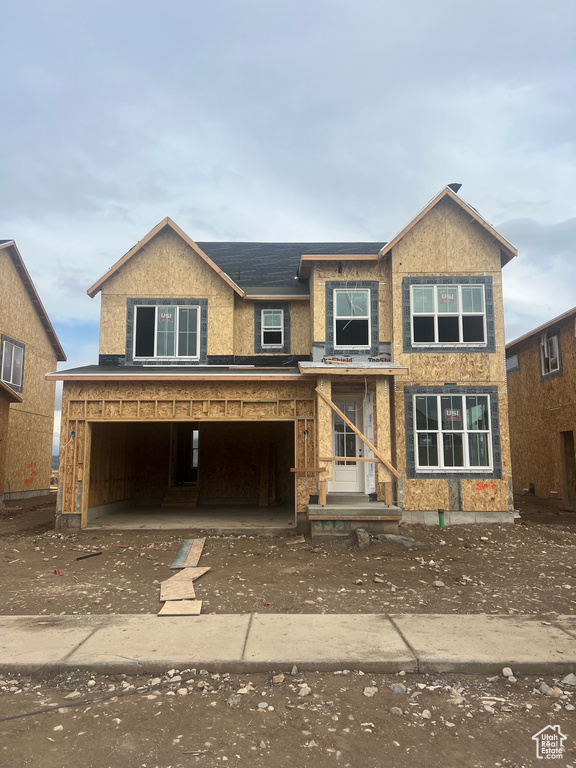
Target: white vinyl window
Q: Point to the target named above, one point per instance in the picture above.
(549, 355)
(167, 332)
(444, 315)
(453, 432)
(352, 318)
(272, 327)
(12, 363)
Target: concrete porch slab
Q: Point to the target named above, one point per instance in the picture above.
(477, 643)
(326, 642)
(152, 643)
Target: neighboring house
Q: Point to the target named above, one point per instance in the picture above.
(222, 365)
(542, 394)
(28, 349)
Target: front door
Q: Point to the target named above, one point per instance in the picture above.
(347, 476)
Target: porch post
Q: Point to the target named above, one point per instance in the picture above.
(324, 433)
(383, 438)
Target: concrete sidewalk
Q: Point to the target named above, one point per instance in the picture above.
(475, 643)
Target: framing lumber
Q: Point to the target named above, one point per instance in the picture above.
(355, 429)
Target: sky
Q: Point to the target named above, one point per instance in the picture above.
(287, 120)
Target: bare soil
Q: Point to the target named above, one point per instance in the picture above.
(469, 722)
(524, 568)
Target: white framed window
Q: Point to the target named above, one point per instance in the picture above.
(550, 355)
(444, 315)
(352, 318)
(272, 328)
(166, 332)
(12, 363)
(452, 433)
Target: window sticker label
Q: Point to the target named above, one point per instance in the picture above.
(452, 414)
(448, 297)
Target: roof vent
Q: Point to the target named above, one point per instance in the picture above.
(454, 187)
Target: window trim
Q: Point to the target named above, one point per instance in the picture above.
(436, 314)
(465, 432)
(199, 359)
(9, 340)
(373, 328)
(259, 308)
(489, 345)
(279, 327)
(412, 471)
(356, 347)
(546, 339)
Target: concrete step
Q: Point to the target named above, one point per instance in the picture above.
(347, 499)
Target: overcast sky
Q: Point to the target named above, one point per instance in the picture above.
(283, 120)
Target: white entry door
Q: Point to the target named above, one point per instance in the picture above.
(347, 476)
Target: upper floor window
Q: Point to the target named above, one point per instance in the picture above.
(550, 355)
(272, 327)
(12, 363)
(352, 317)
(164, 331)
(448, 314)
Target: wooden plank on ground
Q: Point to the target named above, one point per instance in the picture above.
(189, 554)
(181, 608)
(179, 590)
(187, 574)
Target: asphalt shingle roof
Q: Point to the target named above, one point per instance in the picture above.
(274, 264)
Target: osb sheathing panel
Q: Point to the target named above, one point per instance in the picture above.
(30, 421)
(231, 457)
(305, 487)
(447, 239)
(378, 271)
(29, 452)
(448, 242)
(244, 338)
(167, 390)
(425, 494)
(167, 268)
(539, 412)
(109, 474)
(484, 495)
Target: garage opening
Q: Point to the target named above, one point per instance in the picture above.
(233, 474)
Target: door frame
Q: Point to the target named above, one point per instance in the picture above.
(358, 399)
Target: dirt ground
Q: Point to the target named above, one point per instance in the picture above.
(188, 718)
(524, 568)
(445, 721)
